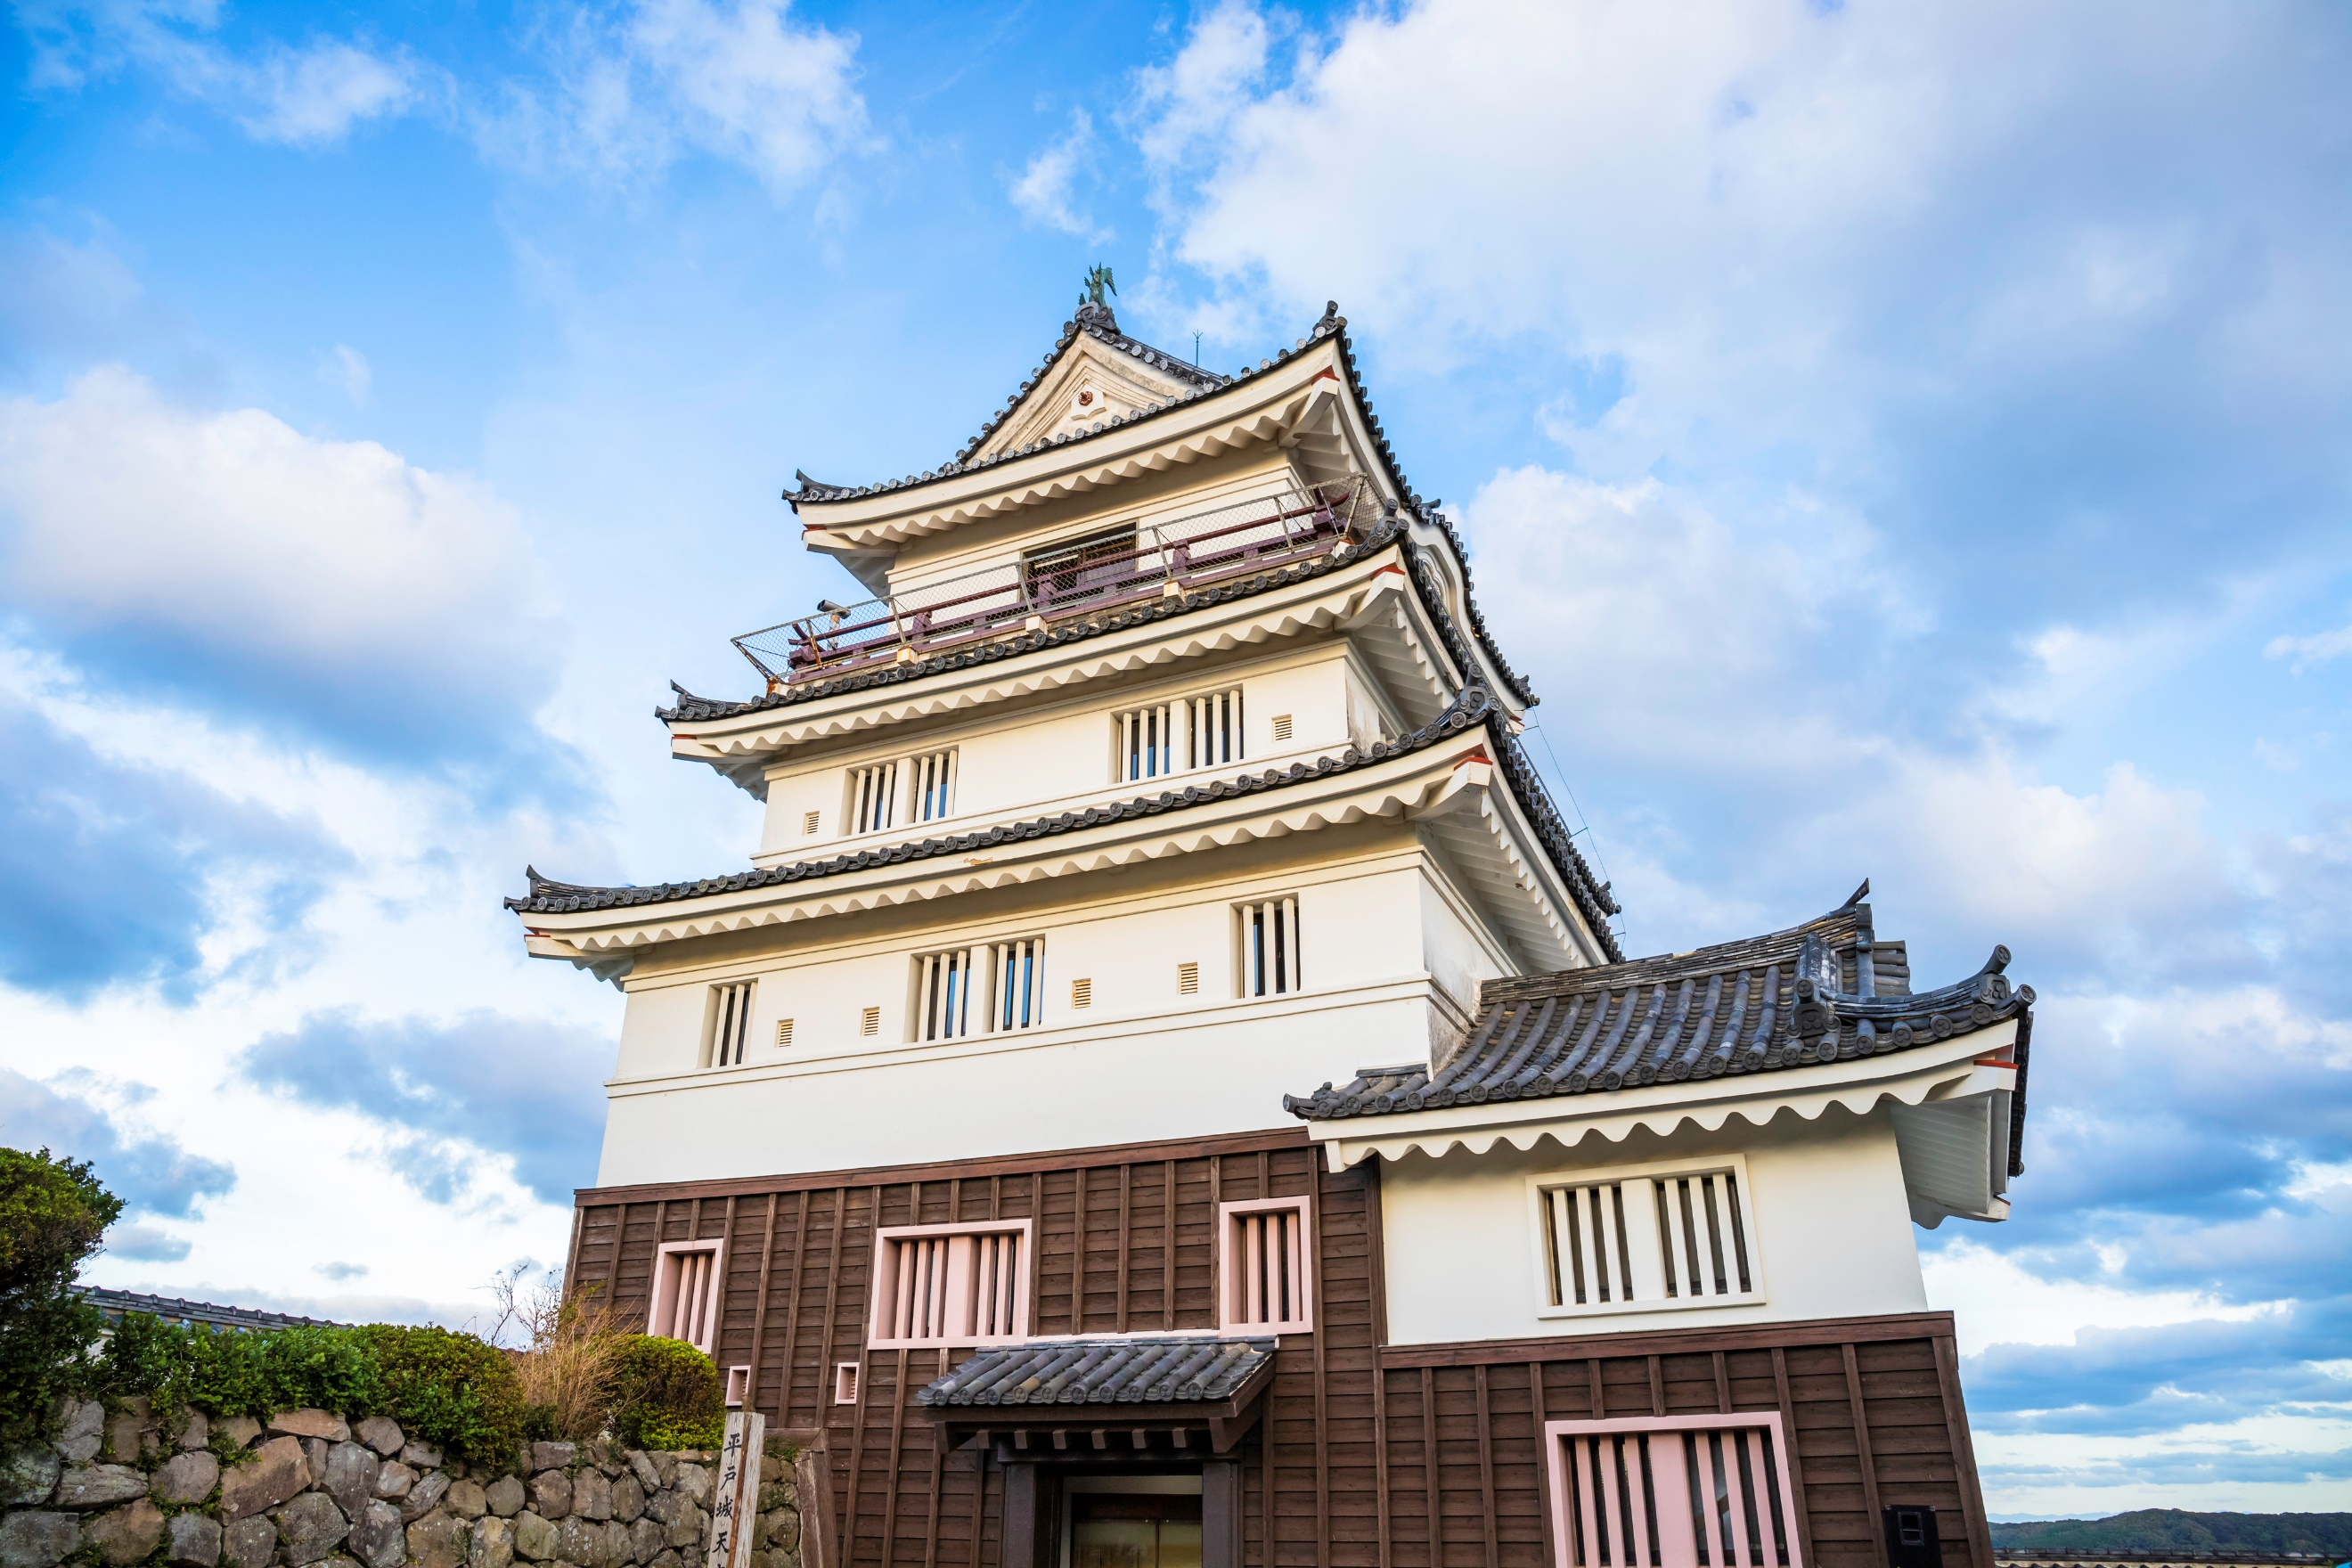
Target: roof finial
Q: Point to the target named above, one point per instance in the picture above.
(1098, 280)
(1857, 895)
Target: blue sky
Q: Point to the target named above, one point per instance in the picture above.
(1901, 440)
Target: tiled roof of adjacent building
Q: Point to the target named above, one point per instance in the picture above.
(1179, 1369)
(173, 1309)
(1474, 707)
(1789, 999)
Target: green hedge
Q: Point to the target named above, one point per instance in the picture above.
(666, 1394)
(451, 1390)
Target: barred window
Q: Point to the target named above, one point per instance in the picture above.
(1266, 947)
(950, 1285)
(727, 1026)
(987, 988)
(1266, 1266)
(873, 796)
(1672, 1491)
(1163, 737)
(686, 1281)
(1641, 1238)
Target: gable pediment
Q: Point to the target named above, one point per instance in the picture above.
(1099, 374)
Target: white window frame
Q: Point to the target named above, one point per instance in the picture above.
(1234, 1283)
(998, 988)
(671, 1271)
(1645, 1246)
(1285, 978)
(1177, 735)
(885, 1281)
(716, 1018)
(1593, 1527)
(902, 790)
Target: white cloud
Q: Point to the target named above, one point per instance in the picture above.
(230, 536)
(317, 94)
(2316, 648)
(304, 96)
(1043, 191)
(1181, 107)
(628, 95)
(1995, 1301)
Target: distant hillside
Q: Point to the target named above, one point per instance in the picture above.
(2173, 1530)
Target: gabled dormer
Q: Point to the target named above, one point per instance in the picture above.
(1095, 376)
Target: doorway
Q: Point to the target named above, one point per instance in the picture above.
(1132, 1521)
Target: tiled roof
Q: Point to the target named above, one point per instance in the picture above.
(173, 1309)
(1175, 1370)
(1789, 999)
(1474, 707)
(1331, 324)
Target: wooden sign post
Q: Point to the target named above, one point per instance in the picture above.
(735, 1501)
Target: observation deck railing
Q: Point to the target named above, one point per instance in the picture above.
(1059, 584)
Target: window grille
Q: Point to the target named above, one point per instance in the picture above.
(1267, 940)
(686, 1292)
(1585, 1247)
(809, 820)
(1281, 727)
(731, 1024)
(1265, 1274)
(873, 796)
(943, 988)
(1076, 570)
(1082, 992)
(1165, 738)
(1188, 979)
(869, 1021)
(1646, 1237)
(1703, 1242)
(783, 1033)
(945, 1285)
(1212, 729)
(1672, 1491)
(1018, 984)
(930, 786)
(738, 1386)
(844, 1382)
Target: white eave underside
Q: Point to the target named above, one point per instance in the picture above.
(1951, 1109)
(1447, 778)
(1271, 407)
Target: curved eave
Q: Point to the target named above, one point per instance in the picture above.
(1949, 1070)
(1265, 407)
(1396, 788)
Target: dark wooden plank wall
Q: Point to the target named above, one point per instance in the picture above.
(1417, 1456)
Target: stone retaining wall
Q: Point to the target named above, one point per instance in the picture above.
(307, 1488)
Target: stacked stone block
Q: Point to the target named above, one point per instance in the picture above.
(308, 1488)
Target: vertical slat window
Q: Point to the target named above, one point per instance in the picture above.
(873, 798)
(1587, 1256)
(940, 1286)
(1016, 983)
(930, 786)
(1267, 941)
(1212, 735)
(1701, 1491)
(687, 1283)
(1265, 1281)
(944, 984)
(1144, 740)
(731, 1024)
(1703, 1235)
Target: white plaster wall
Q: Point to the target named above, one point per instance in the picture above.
(1359, 923)
(1010, 766)
(1831, 1228)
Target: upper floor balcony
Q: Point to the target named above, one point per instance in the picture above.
(1099, 572)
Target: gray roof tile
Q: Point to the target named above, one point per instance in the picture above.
(1178, 1369)
(1788, 999)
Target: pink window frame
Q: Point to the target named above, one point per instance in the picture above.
(1576, 1532)
(662, 1311)
(885, 1281)
(1233, 1284)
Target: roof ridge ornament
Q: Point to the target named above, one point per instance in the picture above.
(1093, 308)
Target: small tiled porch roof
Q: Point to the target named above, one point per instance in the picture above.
(1820, 991)
(1178, 1369)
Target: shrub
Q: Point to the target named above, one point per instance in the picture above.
(450, 1389)
(666, 1394)
(231, 1373)
(53, 1214)
(567, 1373)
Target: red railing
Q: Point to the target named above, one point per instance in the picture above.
(1051, 585)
